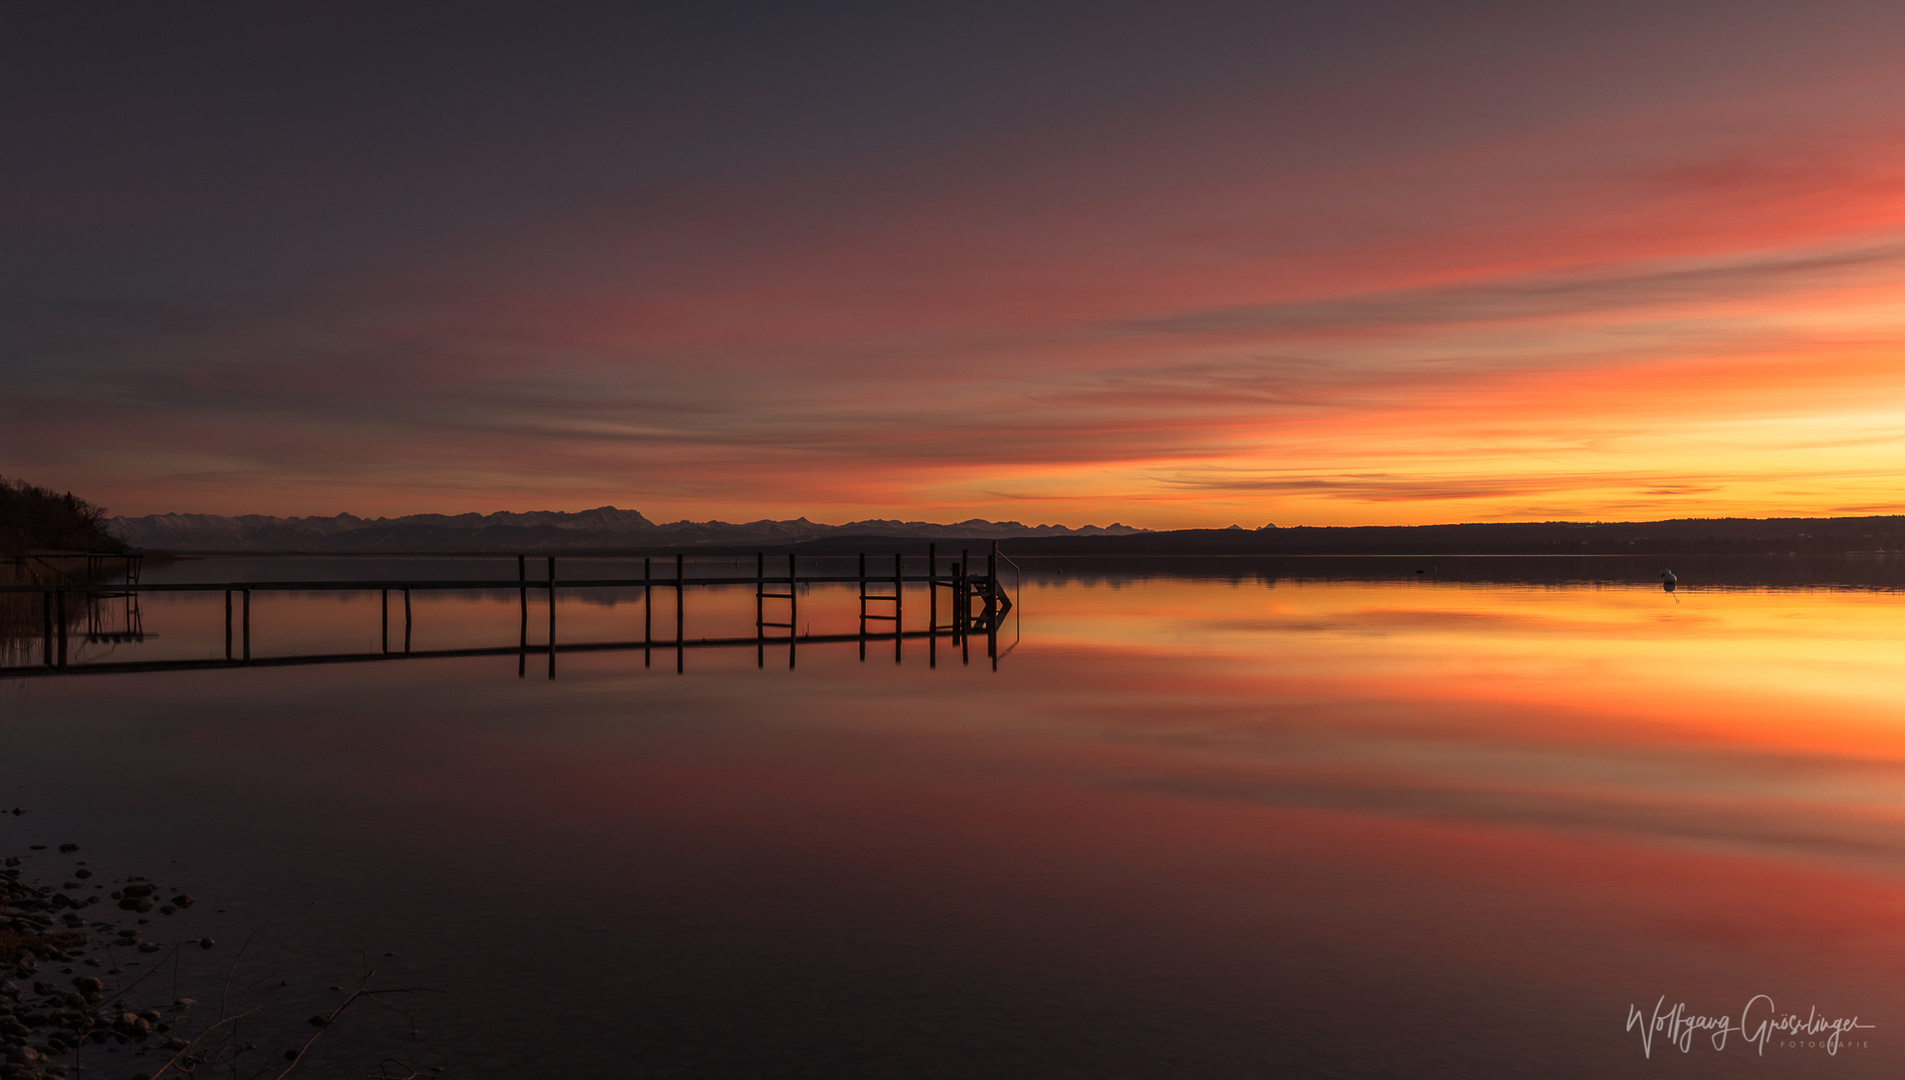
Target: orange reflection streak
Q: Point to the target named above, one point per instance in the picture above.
(998, 823)
(1762, 721)
(1799, 670)
(1386, 789)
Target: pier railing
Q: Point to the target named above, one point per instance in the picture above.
(976, 603)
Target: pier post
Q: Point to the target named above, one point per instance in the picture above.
(680, 600)
(932, 605)
(793, 608)
(522, 624)
(863, 605)
(964, 614)
(247, 599)
(899, 589)
(406, 620)
(648, 613)
(760, 626)
(46, 613)
(384, 595)
(59, 623)
(552, 616)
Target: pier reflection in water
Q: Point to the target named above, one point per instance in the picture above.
(103, 610)
(1231, 823)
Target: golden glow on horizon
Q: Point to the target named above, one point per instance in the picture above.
(1541, 297)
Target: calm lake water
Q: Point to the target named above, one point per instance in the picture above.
(1205, 820)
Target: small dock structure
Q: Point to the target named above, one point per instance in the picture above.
(975, 605)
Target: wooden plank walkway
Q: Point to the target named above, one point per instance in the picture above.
(966, 588)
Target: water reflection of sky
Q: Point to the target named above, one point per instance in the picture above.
(1189, 828)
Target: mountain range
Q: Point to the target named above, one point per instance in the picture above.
(604, 527)
(608, 529)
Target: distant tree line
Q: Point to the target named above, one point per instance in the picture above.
(33, 518)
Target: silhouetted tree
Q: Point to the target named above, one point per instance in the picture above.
(36, 518)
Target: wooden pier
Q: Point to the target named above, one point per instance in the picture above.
(977, 604)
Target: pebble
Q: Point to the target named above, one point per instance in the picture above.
(60, 1016)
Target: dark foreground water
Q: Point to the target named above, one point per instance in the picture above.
(1201, 822)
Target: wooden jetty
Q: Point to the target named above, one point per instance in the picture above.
(977, 604)
(59, 565)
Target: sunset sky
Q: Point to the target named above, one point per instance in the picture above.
(1166, 264)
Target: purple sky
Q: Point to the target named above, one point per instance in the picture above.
(1170, 265)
